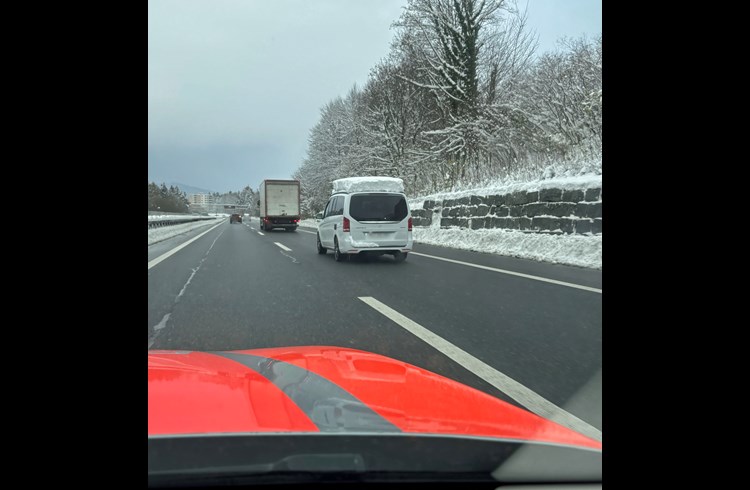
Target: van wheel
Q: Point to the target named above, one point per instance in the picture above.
(321, 249)
(337, 255)
(399, 256)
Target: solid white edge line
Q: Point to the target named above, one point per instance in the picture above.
(519, 274)
(166, 255)
(523, 395)
(282, 247)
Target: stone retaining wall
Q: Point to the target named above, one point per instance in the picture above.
(545, 211)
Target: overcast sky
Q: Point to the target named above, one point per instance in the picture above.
(234, 86)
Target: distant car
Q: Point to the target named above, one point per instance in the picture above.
(235, 218)
(367, 215)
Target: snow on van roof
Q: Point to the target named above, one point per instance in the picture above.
(368, 184)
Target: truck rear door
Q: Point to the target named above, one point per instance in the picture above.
(282, 200)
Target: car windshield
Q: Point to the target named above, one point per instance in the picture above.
(378, 207)
(374, 241)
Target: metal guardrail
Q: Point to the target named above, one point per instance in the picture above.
(170, 222)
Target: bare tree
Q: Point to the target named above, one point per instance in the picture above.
(472, 54)
(563, 95)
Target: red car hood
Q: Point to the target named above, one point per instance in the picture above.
(326, 389)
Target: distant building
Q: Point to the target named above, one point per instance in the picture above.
(201, 202)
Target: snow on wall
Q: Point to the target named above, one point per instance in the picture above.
(562, 209)
(368, 184)
(581, 182)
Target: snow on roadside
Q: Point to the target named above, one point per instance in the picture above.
(309, 223)
(159, 234)
(156, 217)
(577, 250)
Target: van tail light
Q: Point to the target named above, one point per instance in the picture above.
(409, 223)
(346, 224)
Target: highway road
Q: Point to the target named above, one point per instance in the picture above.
(527, 332)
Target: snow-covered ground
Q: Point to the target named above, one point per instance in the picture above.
(159, 234)
(578, 250)
(176, 217)
(310, 223)
(156, 217)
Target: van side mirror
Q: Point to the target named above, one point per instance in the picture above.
(319, 216)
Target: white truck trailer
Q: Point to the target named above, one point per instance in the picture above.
(279, 204)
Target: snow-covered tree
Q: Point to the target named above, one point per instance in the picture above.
(334, 150)
(471, 54)
(171, 200)
(563, 97)
(459, 100)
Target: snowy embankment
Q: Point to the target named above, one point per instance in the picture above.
(581, 251)
(577, 250)
(308, 223)
(176, 216)
(159, 234)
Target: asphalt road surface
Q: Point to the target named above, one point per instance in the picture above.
(527, 332)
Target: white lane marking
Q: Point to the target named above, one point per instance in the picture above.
(294, 260)
(305, 231)
(261, 233)
(519, 274)
(157, 328)
(166, 255)
(514, 389)
(282, 247)
(163, 323)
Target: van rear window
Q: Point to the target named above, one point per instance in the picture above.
(378, 207)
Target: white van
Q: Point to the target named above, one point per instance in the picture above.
(366, 215)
